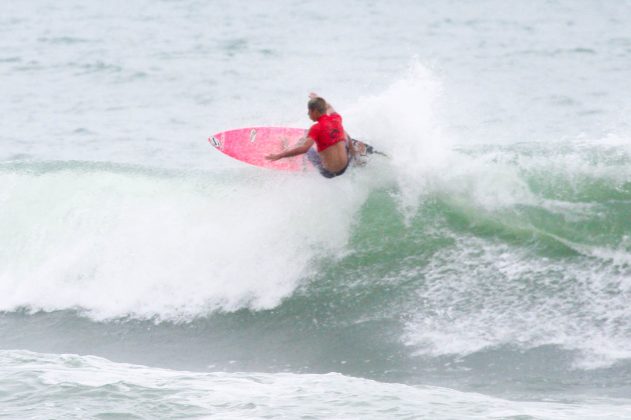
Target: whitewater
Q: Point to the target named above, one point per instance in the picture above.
(483, 270)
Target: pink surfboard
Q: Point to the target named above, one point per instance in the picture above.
(251, 145)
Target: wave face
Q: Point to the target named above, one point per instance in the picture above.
(519, 247)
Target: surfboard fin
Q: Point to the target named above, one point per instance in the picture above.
(368, 149)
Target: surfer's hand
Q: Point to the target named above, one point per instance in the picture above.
(313, 95)
(273, 156)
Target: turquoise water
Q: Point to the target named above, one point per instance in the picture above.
(483, 271)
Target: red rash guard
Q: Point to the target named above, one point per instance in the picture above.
(327, 131)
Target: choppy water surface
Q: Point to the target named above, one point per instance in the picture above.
(483, 271)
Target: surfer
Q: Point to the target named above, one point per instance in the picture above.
(332, 157)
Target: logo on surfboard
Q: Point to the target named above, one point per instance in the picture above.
(215, 142)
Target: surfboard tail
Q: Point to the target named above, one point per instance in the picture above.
(364, 149)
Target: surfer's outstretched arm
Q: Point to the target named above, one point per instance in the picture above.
(303, 147)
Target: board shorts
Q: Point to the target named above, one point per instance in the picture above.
(314, 158)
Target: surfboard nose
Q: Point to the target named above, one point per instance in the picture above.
(215, 142)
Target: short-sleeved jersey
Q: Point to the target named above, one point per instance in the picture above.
(327, 131)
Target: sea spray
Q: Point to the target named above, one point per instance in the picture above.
(404, 121)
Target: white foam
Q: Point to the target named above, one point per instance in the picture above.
(480, 294)
(127, 244)
(72, 386)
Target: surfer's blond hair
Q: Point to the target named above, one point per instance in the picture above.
(317, 104)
